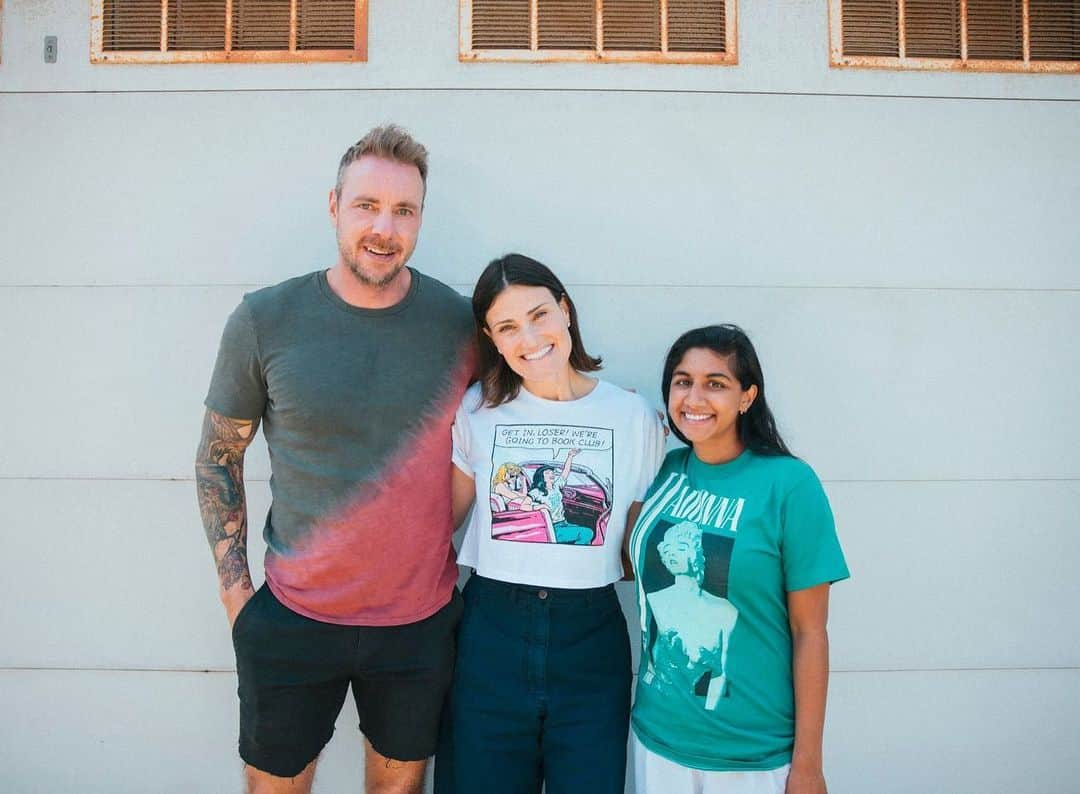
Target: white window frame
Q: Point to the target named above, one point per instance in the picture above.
(837, 59)
(534, 54)
(226, 54)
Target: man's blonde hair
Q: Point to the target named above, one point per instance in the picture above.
(390, 142)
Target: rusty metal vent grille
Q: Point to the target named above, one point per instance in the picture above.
(982, 35)
(566, 24)
(326, 25)
(995, 30)
(932, 29)
(632, 25)
(131, 25)
(501, 24)
(162, 31)
(196, 24)
(871, 27)
(1055, 30)
(261, 24)
(697, 25)
(684, 31)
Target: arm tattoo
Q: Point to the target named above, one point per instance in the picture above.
(219, 479)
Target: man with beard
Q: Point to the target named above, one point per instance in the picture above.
(355, 373)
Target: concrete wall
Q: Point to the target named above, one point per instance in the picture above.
(902, 247)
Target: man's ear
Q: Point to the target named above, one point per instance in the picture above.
(333, 207)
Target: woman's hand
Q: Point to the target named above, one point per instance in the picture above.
(805, 781)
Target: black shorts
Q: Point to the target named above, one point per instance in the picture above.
(294, 673)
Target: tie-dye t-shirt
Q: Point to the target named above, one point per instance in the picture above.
(356, 407)
(716, 549)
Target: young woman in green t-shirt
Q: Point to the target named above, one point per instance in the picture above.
(734, 552)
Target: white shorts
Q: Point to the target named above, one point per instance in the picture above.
(654, 774)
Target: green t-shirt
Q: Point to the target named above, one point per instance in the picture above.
(715, 551)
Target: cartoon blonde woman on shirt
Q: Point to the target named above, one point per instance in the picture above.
(512, 484)
(693, 626)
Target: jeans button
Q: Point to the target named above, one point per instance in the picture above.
(542, 594)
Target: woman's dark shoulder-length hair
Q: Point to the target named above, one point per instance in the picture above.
(756, 428)
(499, 383)
(538, 483)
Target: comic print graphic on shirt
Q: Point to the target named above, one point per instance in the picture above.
(551, 484)
(689, 621)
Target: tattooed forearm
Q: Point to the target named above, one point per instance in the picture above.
(219, 478)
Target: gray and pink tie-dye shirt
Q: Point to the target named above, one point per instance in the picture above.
(356, 408)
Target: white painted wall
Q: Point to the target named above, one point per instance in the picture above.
(903, 248)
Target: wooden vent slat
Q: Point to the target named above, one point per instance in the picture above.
(566, 24)
(131, 25)
(196, 24)
(932, 28)
(697, 26)
(260, 25)
(501, 24)
(871, 27)
(995, 30)
(326, 25)
(1055, 30)
(632, 25)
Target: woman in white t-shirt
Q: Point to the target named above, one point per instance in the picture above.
(541, 692)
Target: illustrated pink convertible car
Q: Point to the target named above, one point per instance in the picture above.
(586, 502)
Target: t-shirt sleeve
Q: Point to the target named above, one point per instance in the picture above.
(237, 387)
(652, 453)
(810, 550)
(671, 461)
(462, 437)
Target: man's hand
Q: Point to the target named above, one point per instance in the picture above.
(235, 600)
(219, 479)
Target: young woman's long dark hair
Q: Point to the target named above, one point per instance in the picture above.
(499, 383)
(756, 428)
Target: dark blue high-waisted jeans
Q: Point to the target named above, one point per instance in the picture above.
(541, 692)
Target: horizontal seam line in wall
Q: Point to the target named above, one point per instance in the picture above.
(59, 669)
(596, 284)
(943, 480)
(547, 90)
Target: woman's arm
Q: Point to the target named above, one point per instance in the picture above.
(566, 466)
(462, 495)
(808, 612)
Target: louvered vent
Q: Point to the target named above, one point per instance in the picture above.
(932, 28)
(566, 24)
(1055, 30)
(196, 24)
(696, 26)
(500, 24)
(632, 25)
(995, 30)
(260, 25)
(131, 25)
(870, 27)
(326, 25)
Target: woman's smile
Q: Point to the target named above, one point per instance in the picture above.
(539, 354)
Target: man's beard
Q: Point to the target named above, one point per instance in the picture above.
(369, 279)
